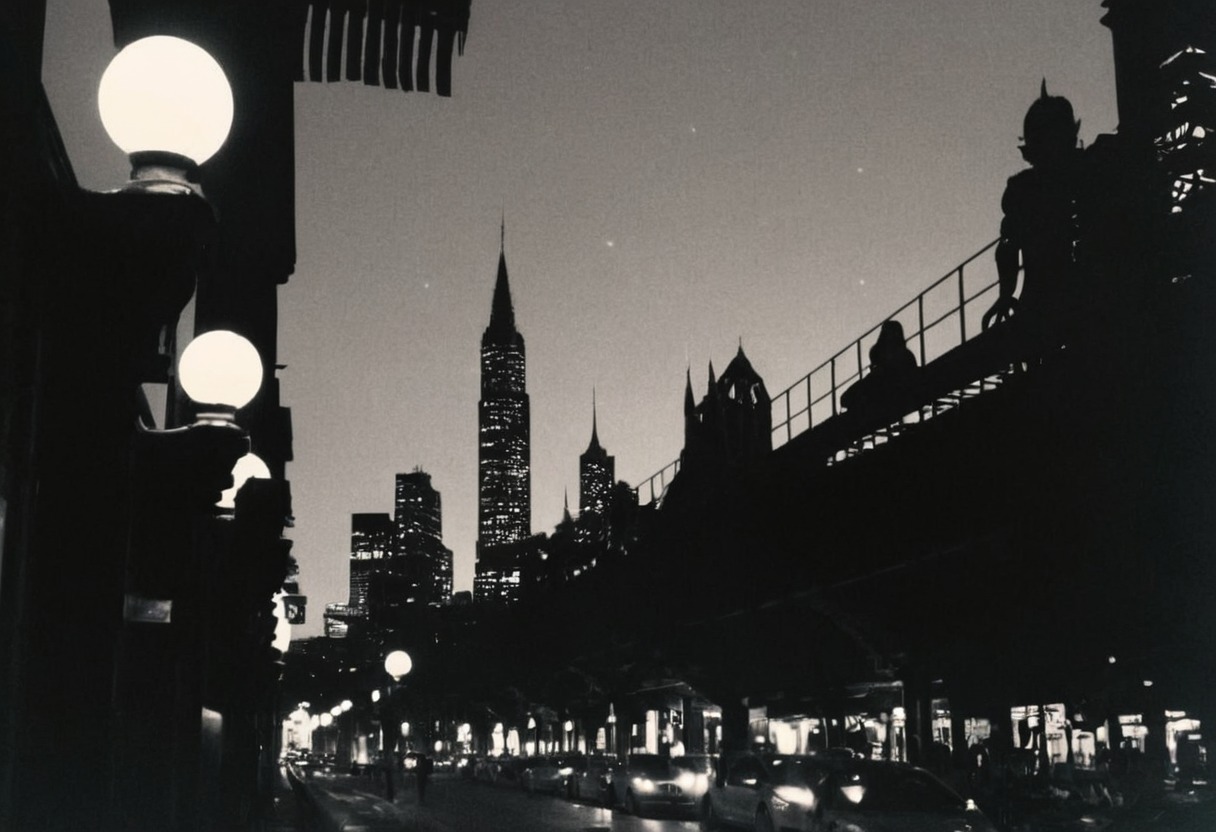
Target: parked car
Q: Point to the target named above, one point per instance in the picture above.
(550, 774)
(594, 781)
(650, 781)
(694, 773)
(496, 770)
(813, 793)
(506, 771)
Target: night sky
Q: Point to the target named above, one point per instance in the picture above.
(675, 176)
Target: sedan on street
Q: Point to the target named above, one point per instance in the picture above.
(815, 793)
(651, 781)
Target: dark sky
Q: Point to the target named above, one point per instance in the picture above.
(675, 176)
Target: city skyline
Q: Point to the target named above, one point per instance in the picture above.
(673, 180)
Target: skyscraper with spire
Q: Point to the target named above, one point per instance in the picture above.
(504, 471)
(596, 473)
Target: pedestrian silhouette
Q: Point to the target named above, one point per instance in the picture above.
(390, 762)
(422, 773)
(893, 371)
(1043, 207)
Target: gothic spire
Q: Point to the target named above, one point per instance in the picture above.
(595, 439)
(690, 404)
(502, 313)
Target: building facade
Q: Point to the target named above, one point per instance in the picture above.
(418, 538)
(371, 551)
(504, 435)
(596, 473)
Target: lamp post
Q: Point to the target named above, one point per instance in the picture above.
(397, 664)
(168, 105)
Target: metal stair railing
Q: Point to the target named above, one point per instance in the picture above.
(937, 320)
(934, 322)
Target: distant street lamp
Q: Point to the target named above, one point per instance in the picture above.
(398, 664)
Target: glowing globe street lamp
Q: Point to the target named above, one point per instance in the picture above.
(167, 104)
(250, 466)
(222, 372)
(397, 664)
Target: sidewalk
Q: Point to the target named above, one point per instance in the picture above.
(328, 802)
(289, 812)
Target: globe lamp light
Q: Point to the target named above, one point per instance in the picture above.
(220, 368)
(326, 720)
(250, 466)
(282, 627)
(166, 95)
(397, 664)
(336, 710)
(346, 705)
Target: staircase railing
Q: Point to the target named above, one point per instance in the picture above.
(937, 320)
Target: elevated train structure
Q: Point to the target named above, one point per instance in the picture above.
(1030, 522)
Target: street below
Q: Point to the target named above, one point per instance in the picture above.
(456, 805)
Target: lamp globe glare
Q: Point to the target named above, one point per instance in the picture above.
(397, 663)
(282, 627)
(166, 94)
(250, 466)
(220, 367)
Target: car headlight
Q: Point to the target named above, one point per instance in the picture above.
(565, 772)
(643, 784)
(795, 795)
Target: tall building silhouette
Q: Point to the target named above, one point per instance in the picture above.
(596, 472)
(371, 548)
(504, 457)
(418, 521)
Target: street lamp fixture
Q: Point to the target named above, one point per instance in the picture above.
(220, 371)
(282, 627)
(167, 104)
(398, 664)
(326, 719)
(346, 705)
(336, 710)
(250, 466)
